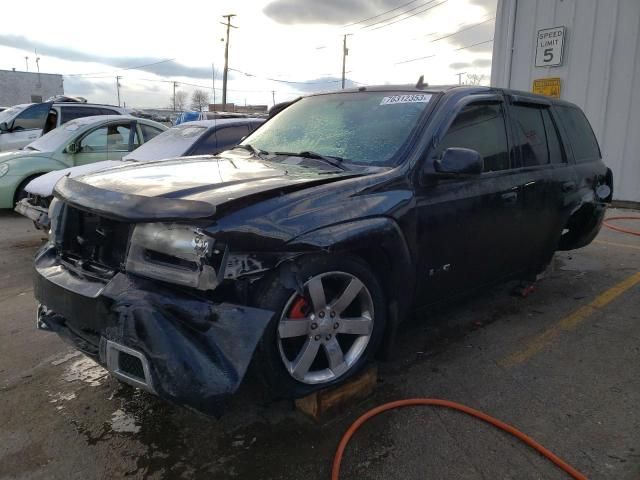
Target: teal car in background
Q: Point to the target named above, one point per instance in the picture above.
(78, 142)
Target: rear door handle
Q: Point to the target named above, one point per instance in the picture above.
(509, 197)
(568, 186)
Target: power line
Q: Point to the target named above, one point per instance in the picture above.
(410, 16)
(398, 15)
(183, 83)
(364, 28)
(284, 81)
(121, 69)
(474, 45)
(461, 30)
(380, 14)
(435, 55)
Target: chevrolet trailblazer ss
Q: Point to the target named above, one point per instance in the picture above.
(298, 252)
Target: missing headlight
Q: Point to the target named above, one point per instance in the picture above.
(172, 253)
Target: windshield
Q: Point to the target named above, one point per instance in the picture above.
(8, 114)
(57, 137)
(366, 128)
(170, 143)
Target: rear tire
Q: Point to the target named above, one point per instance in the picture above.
(325, 336)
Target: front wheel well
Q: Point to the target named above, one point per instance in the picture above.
(23, 184)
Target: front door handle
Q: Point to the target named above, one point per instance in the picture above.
(509, 197)
(568, 186)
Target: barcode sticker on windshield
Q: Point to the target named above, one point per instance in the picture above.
(417, 98)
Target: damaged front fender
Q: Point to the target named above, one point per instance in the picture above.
(197, 351)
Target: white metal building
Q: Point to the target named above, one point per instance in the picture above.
(596, 56)
(28, 87)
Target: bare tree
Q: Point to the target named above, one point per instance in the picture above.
(181, 100)
(474, 79)
(200, 100)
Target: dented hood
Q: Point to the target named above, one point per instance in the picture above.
(189, 187)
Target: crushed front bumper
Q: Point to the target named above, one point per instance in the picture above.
(183, 348)
(39, 215)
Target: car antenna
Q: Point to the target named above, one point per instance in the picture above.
(420, 85)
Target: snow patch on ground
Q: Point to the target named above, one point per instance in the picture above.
(66, 358)
(85, 370)
(123, 422)
(61, 397)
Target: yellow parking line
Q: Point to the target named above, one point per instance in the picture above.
(614, 244)
(570, 322)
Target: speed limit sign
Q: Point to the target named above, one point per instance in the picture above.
(549, 44)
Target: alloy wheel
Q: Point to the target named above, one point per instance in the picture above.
(323, 333)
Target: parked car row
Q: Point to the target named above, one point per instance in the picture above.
(22, 124)
(96, 146)
(301, 249)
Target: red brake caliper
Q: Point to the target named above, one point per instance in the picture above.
(299, 308)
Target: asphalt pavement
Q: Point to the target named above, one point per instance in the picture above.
(562, 365)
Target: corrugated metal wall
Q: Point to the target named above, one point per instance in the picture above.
(600, 71)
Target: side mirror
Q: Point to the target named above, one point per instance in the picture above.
(73, 148)
(459, 160)
(4, 127)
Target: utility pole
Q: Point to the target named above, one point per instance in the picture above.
(26, 61)
(174, 96)
(460, 77)
(213, 85)
(345, 52)
(273, 96)
(226, 60)
(118, 87)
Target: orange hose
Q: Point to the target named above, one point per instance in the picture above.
(337, 460)
(620, 229)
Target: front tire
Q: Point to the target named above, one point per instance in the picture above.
(325, 335)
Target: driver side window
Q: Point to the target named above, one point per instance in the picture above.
(96, 141)
(480, 127)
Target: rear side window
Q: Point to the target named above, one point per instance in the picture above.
(230, 136)
(108, 111)
(71, 113)
(530, 135)
(149, 132)
(583, 142)
(206, 145)
(480, 127)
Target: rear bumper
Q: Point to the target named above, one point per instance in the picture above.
(39, 215)
(583, 226)
(183, 348)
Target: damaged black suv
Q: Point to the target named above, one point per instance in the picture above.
(300, 250)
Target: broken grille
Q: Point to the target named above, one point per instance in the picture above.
(95, 244)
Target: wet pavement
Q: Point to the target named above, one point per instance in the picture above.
(563, 365)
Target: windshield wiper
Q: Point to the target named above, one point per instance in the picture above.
(250, 148)
(333, 161)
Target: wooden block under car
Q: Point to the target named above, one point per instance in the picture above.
(337, 398)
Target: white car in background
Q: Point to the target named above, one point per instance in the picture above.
(22, 124)
(205, 137)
